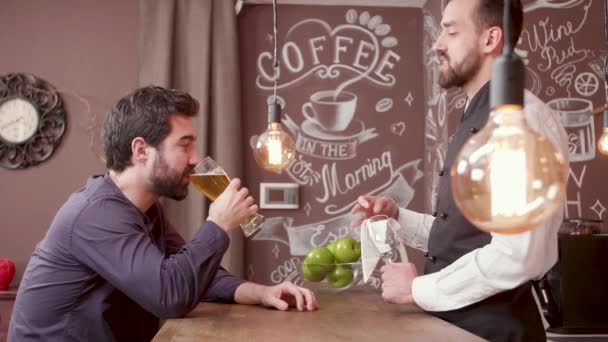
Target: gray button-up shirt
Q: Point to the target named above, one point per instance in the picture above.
(106, 271)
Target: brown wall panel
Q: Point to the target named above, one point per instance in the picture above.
(366, 140)
(563, 45)
(88, 51)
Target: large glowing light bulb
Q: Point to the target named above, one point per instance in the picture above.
(508, 178)
(275, 149)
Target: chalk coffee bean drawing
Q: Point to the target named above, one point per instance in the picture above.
(389, 42)
(382, 30)
(364, 18)
(384, 105)
(351, 16)
(374, 22)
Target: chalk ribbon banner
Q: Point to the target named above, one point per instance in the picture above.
(302, 238)
(339, 148)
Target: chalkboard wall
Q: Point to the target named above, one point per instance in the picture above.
(360, 96)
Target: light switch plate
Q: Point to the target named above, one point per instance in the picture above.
(279, 196)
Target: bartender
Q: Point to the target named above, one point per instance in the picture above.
(476, 280)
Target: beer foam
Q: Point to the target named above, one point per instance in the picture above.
(215, 172)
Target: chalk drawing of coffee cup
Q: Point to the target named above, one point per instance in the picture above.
(578, 122)
(332, 113)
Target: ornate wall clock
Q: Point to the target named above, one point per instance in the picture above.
(32, 120)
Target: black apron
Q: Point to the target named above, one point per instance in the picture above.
(508, 316)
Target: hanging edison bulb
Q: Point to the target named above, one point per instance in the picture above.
(275, 148)
(508, 178)
(602, 144)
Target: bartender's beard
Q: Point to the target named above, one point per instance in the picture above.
(167, 182)
(457, 74)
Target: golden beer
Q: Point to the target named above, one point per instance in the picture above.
(210, 184)
(211, 179)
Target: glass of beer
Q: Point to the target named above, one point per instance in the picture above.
(211, 179)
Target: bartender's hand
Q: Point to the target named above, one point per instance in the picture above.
(287, 295)
(232, 207)
(369, 206)
(397, 281)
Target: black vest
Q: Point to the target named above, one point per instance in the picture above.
(508, 316)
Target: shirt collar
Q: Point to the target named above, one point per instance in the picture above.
(478, 99)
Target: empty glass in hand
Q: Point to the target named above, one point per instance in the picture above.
(381, 230)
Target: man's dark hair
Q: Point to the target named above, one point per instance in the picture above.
(490, 12)
(144, 113)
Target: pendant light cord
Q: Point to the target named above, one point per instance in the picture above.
(506, 27)
(275, 64)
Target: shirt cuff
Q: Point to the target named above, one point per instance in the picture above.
(232, 286)
(430, 291)
(223, 288)
(408, 217)
(412, 229)
(424, 292)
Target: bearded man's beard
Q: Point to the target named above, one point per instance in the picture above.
(461, 73)
(169, 183)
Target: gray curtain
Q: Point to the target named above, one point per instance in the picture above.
(192, 45)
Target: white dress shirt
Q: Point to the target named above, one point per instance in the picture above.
(507, 261)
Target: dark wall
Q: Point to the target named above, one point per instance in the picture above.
(88, 51)
(379, 148)
(565, 52)
(563, 45)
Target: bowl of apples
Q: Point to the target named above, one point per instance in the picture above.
(334, 267)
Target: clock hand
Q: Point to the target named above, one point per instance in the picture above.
(10, 123)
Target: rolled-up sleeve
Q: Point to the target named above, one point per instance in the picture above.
(505, 263)
(414, 228)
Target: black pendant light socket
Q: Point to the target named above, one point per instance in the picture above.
(508, 73)
(274, 112)
(508, 80)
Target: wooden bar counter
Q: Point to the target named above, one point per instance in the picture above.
(353, 315)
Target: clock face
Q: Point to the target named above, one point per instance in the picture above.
(18, 120)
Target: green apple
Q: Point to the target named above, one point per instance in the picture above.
(309, 273)
(332, 247)
(341, 276)
(347, 250)
(319, 262)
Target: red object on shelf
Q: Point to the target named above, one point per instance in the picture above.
(7, 272)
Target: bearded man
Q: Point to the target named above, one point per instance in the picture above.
(478, 281)
(111, 264)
